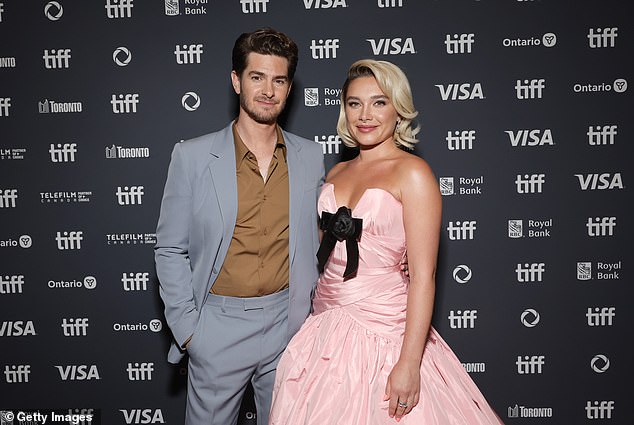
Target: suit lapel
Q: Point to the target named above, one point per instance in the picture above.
(296, 183)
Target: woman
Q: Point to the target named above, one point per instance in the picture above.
(368, 353)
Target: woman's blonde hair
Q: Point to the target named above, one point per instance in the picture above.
(393, 82)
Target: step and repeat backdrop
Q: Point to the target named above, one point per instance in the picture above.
(526, 116)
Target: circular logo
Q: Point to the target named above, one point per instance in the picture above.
(549, 39)
(600, 363)
(25, 241)
(620, 85)
(462, 273)
(190, 101)
(122, 56)
(530, 318)
(90, 282)
(53, 10)
(7, 417)
(156, 325)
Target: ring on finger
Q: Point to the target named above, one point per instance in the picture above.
(401, 404)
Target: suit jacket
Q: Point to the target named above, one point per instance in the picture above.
(197, 220)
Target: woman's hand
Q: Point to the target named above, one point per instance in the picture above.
(403, 389)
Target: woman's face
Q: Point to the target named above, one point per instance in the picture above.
(370, 114)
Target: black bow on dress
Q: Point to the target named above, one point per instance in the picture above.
(338, 227)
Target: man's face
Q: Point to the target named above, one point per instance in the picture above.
(263, 87)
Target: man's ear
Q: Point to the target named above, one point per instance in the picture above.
(235, 82)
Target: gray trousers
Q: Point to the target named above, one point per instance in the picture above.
(237, 340)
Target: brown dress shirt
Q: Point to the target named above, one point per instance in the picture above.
(257, 260)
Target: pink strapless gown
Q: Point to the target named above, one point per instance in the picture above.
(335, 368)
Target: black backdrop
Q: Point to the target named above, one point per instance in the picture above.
(526, 119)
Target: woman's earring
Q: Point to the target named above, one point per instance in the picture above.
(398, 126)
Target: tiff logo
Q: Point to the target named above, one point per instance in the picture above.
(124, 103)
(530, 183)
(135, 281)
(5, 104)
(601, 226)
(17, 373)
(69, 240)
(1, 10)
(530, 272)
(601, 135)
(462, 319)
(460, 140)
(603, 37)
(188, 54)
(57, 59)
(530, 89)
(459, 43)
(599, 409)
(63, 152)
(600, 316)
(330, 144)
(390, 3)
(324, 49)
(461, 230)
(75, 327)
(8, 197)
(119, 9)
(529, 364)
(253, 6)
(140, 371)
(130, 196)
(11, 284)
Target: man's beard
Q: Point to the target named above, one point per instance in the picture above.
(269, 117)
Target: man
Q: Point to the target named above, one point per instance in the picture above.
(237, 237)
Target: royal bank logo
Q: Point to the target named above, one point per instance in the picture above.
(324, 48)
(8, 198)
(62, 152)
(17, 328)
(53, 107)
(604, 270)
(599, 409)
(135, 281)
(56, 59)
(601, 226)
(462, 274)
(81, 372)
(533, 229)
(464, 186)
(69, 240)
(7, 62)
(142, 416)
(75, 327)
(390, 3)
(71, 197)
(530, 318)
(311, 96)
(10, 285)
(529, 183)
(23, 241)
(172, 8)
(191, 7)
(530, 273)
(116, 9)
(331, 97)
(547, 40)
(253, 6)
(600, 363)
(121, 152)
(124, 103)
(462, 319)
(17, 374)
(530, 412)
(88, 282)
(5, 106)
(392, 46)
(190, 101)
(530, 137)
(461, 230)
(602, 135)
(601, 316)
(53, 11)
(329, 144)
(155, 325)
(446, 185)
(584, 270)
(12, 153)
(131, 238)
(122, 56)
(600, 181)
(602, 37)
(140, 371)
(130, 195)
(324, 4)
(530, 365)
(188, 54)
(460, 91)
(618, 86)
(460, 139)
(459, 43)
(530, 89)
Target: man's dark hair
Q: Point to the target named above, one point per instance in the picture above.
(265, 41)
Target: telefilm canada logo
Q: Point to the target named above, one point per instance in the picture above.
(120, 239)
(65, 197)
(313, 96)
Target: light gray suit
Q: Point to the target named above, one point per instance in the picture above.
(196, 224)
